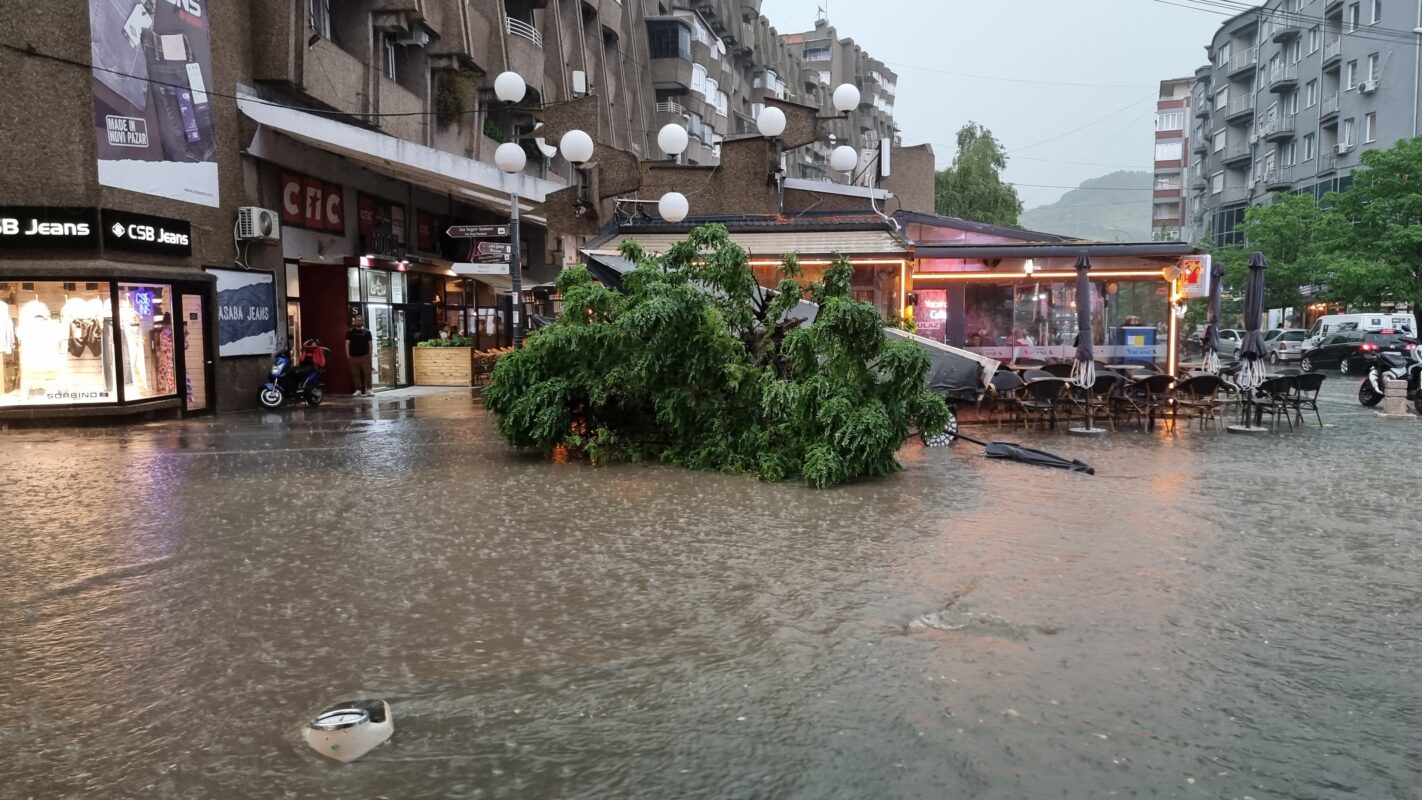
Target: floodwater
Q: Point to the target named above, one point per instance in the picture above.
(1209, 616)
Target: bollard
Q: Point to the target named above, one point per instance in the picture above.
(1394, 402)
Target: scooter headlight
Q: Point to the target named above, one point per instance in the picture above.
(276, 370)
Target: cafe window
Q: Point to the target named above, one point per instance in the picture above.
(56, 343)
(1038, 319)
(148, 339)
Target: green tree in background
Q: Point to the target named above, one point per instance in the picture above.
(972, 188)
(1379, 256)
(695, 365)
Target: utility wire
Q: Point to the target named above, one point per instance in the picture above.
(1226, 9)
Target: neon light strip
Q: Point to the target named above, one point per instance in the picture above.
(824, 262)
(1170, 355)
(989, 276)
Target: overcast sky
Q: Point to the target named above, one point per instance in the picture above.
(1121, 49)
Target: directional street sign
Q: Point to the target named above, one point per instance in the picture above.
(501, 249)
(480, 269)
(477, 231)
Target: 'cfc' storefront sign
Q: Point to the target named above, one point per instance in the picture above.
(142, 233)
(30, 227)
(312, 203)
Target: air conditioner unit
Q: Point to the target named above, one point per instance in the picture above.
(1368, 87)
(1342, 148)
(257, 223)
(417, 37)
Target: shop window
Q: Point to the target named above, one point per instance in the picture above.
(147, 336)
(56, 343)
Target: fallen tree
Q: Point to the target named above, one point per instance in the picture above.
(694, 364)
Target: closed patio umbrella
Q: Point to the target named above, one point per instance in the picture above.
(1252, 351)
(1211, 339)
(1083, 369)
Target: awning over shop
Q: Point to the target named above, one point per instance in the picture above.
(424, 166)
(771, 243)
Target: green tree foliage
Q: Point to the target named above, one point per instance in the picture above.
(695, 365)
(972, 188)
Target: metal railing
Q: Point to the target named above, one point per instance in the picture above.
(1332, 49)
(1237, 152)
(1232, 194)
(518, 27)
(1243, 60)
(1283, 73)
(1277, 175)
(1327, 162)
(1240, 105)
(1277, 125)
(670, 107)
(1330, 105)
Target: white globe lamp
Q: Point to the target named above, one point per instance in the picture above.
(673, 207)
(846, 98)
(510, 158)
(843, 159)
(577, 146)
(672, 139)
(771, 122)
(509, 87)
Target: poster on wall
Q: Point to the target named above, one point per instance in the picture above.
(246, 313)
(153, 117)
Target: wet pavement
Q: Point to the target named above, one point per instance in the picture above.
(1209, 616)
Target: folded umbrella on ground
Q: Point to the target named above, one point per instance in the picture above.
(1028, 455)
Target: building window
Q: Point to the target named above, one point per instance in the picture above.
(1295, 51)
(1168, 151)
(1352, 75)
(1308, 150)
(1373, 67)
(1291, 103)
(667, 39)
(1222, 56)
(1217, 141)
(1370, 127)
(1291, 152)
(1166, 184)
(390, 57)
(1353, 14)
(320, 17)
(1170, 121)
(698, 79)
(1377, 12)
(815, 53)
(825, 77)
(1222, 98)
(1347, 137)
(1217, 183)
(1315, 38)
(1310, 94)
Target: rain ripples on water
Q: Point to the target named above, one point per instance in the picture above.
(1208, 616)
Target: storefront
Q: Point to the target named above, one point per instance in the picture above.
(94, 336)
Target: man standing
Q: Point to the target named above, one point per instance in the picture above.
(358, 341)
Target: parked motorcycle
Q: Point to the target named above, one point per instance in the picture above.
(1397, 367)
(293, 381)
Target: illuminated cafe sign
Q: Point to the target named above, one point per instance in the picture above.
(30, 227)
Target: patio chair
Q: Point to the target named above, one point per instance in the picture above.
(1028, 362)
(1037, 375)
(1044, 398)
(1148, 366)
(1305, 395)
(1002, 395)
(1100, 398)
(1060, 369)
(1200, 396)
(1145, 397)
(1273, 398)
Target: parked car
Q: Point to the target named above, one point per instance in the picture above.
(1287, 346)
(1403, 322)
(1230, 340)
(1353, 352)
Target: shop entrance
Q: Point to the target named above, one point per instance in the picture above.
(195, 360)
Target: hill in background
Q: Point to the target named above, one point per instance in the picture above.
(1121, 200)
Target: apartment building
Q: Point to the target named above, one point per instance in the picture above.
(828, 62)
(1294, 92)
(1172, 160)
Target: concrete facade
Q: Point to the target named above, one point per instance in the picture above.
(1172, 160)
(1295, 92)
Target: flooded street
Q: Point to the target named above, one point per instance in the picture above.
(1209, 616)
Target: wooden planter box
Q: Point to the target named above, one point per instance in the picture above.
(444, 366)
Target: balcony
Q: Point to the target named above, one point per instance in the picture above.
(524, 30)
(1286, 27)
(1327, 162)
(1277, 129)
(1166, 193)
(1277, 178)
(1244, 61)
(1201, 147)
(1330, 107)
(1237, 154)
(1232, 194)
(1332, 51)
(1283, 77)
(1202, 109)
(1240, 109)
(1199, 184)
(525, 52)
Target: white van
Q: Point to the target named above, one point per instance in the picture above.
(1402, 322)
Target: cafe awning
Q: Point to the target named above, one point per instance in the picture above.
(1055, 250)
(773, 244)
(436, 170)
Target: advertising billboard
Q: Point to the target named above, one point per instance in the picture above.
(153, 116)
(246, 313)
